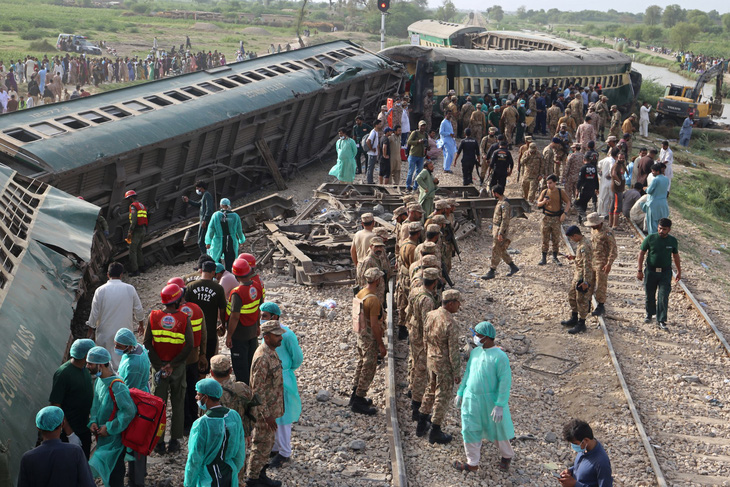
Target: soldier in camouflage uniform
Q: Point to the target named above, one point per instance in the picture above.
(581, 289)
(448, 229)
(444, 366)
(267, 382)
(604, 116)
(509, 119)
(571, 169)
(433, 235)
(533, 169)
(553, 115)
(500, 228)
(569, 123)
(554, 203)
(423, 300)
(604, 254)
(576, 109)
(439, 209)
(523, 148)
(406, 258)
(615, 128)
(374, 259)
(428, 109)
(417, 269)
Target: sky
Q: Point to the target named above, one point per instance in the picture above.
(722, 6)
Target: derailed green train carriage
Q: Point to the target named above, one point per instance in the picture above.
(491, 72)
(227, 126)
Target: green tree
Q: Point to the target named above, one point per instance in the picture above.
(521, 12)
(653, 15)
(714, 15)
(447, 11)
(726, 21)
(672, 15)
(495, 13)
(653, 32)
(682, 34)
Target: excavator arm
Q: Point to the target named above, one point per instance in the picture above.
(714, 72)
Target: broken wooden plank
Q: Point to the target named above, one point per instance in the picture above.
(265, 152)
(279, 237)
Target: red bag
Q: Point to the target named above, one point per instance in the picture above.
(148, 425)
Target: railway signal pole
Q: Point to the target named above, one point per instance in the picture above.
(383, 6)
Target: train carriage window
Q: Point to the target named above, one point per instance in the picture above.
(47, 129)
(72, 123)
(278, 69)
(291, 66)
(176, 95)
(497, 84)
(466, 85)
(253, 76)
(115, 111)
(160, 102)
(336, 55)
(326, 60)
(477, 85)
(346, 52)
(239, 79)
(266, 72)
(487, 85)
(21, 135)
(135, 105)
(210, 87)
(314, 62)
(355, 50)
(94, 117)
(193, 91)
(225, 83)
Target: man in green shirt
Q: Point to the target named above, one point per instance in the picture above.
(417, 146)
(427, 185)
(359, 130)
(659, 249)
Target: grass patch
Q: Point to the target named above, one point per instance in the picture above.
(703, 196)
(42, 45)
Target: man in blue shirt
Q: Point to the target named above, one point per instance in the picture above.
(64, 462)
(591, 468)
(686, 131)
(206, 211)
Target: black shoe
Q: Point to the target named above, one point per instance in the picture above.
(556, 260)
(160, 448)
(647, 318)
(572, 321)
(360, 406)
(273, 454)
(513, 269)
(438, 436)
(662, 326)
(489, 275)
(415, 406)
(263, 480)
(367, 400)
(579, 328)
(278, 461)
(599, 311)
(544, 259)
(402, 332)
(423, 425)
(173, 446)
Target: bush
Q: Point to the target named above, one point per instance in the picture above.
(140, 8)
(6, 28)
(133, 30)
(32, 35)
(42, 46)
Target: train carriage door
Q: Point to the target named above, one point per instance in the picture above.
(451, 76)
(422, 80)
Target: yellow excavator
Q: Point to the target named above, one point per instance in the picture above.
(679, 101)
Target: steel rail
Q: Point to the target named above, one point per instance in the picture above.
(398, 464)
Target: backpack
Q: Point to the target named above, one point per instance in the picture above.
(359, 322)
(364, 142)
(148, 425)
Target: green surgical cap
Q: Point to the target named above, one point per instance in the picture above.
(219, 268)
(270, 307)
(210, 388)
(98, 355)
(126, 337)
(485, 328)
(81, 347)
(49, 418)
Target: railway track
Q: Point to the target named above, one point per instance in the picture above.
(675, 382)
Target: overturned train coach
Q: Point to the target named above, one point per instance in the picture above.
(479, 73)
(234, 127)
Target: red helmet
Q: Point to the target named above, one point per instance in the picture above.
(170, 293)
(248, 258)
(241, 268)
(129, 193)
(177, 280)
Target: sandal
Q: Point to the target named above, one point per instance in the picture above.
(504, 464)
(465, 467)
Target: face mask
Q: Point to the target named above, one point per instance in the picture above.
(199, 192)
(477, 341)
(576, 448)
(342, 137)
(202, 405)
(262, 322)
(118, 351)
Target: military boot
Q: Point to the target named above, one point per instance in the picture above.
(438, 436)
(402, 332)
(544, 259)
(513, 269)
(367, 400)
(599, 311)
(489, 275)
(423, 425)
(572, 321)
(360, 405)
(415, 406)
(555, 259)
(579, 328)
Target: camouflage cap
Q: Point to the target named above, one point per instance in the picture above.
(533, 145)
(492, 130)
(429, 248)
(614, 107)
(377, 242)
(452, 202)
(409, 198)
(220, 363)
(273, 326)
(371, 275)
(441, 204)
(433, 228)
(382, 232)
(431, 274)
(415, 207)
(367, 217)
(451, 295)
(439, 219)
(430, 260)
(401, 210)
(528, 138)
(415, 227)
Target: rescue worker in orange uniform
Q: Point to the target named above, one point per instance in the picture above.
(138, 222)
(197, 363)
(169, 339)
(256, 278)
(242, 314)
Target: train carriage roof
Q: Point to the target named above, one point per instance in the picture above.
(504, 57)
(247, 87)
(443, 30)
